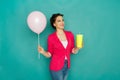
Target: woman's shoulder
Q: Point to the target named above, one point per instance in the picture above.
(52, 35)
(69, 32)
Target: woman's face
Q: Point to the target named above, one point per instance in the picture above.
(59, 23)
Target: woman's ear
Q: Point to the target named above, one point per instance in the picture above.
(54, 24)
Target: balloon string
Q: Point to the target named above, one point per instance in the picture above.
(38, 45)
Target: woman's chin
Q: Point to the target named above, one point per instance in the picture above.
(62, 27)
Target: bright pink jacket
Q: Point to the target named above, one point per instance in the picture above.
(58, 52)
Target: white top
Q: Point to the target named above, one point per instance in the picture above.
(65, 43)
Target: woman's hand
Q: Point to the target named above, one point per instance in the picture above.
(76, 49)
(43, 52)
(40, 49)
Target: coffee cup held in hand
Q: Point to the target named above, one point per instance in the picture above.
(79, 40)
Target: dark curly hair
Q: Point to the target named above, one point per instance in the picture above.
(53, 19)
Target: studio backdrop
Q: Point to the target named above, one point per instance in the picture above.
(97, 20)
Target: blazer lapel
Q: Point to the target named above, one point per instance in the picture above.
(68, 39)
(59, 42)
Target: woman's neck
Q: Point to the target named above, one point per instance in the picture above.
(60, 31)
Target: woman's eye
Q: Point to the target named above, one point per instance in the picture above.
(59, 20)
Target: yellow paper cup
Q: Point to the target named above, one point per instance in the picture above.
(79, 40)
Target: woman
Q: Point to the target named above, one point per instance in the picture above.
(60, 46)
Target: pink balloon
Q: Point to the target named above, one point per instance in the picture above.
(36, 21)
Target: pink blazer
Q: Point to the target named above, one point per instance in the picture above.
(58, 52)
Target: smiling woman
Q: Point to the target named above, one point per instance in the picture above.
(60, 54)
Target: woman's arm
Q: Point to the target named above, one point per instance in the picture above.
(43, 52)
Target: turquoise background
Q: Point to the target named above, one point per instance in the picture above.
(97, 20)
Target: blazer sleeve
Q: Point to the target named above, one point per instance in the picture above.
(72, 41)
(50, 45)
